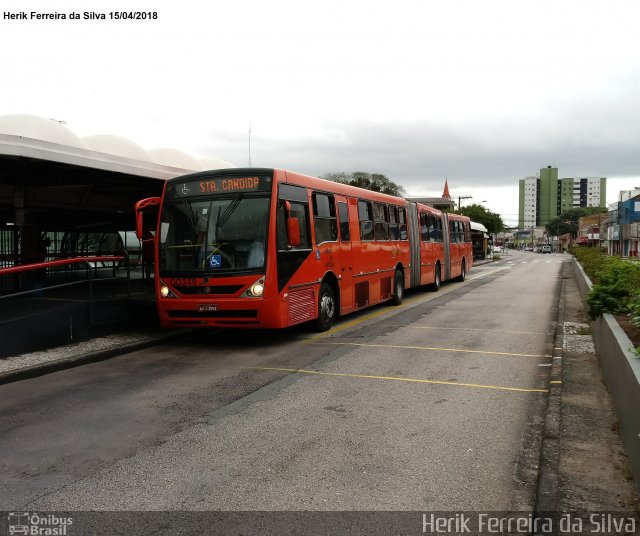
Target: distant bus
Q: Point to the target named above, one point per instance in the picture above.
(269, 248)
(479, 240)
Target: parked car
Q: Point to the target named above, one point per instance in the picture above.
(546, 249)
(497, 249)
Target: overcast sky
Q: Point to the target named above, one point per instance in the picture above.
(482, 93)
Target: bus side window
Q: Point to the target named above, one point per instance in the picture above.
(281, 228)
(456, 227)
(381, 222)
(424, 227)
(393, 223)
(431, 222)
(402, 221)
(365, 215)
(343, 212)
(300, 211)
(324, 218)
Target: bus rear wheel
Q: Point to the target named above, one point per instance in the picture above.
(463, 272)
(437, 279)
(398, 288)
(326, 308)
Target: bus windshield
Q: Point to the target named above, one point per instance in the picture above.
(214, 234)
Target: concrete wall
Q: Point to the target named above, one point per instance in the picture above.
(621, 370)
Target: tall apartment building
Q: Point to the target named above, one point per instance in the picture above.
(545, 197)
(582, 192)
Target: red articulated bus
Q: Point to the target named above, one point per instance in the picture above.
(269, 248)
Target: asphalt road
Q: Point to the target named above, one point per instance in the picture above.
(434, 405)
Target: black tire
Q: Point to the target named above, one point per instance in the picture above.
(463, 271)
(398, 288)
(326, 308)
(437, 282)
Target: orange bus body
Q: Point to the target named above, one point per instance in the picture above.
(323, 249)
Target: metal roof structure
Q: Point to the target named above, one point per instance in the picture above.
(51, 178)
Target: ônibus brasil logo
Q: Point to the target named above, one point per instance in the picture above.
(38, 524)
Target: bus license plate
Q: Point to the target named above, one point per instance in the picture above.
(206, 307)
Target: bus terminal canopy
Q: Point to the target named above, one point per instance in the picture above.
(54, 180)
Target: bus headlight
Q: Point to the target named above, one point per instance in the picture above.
(165, 291)
(256, 290)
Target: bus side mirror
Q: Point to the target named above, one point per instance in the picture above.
(293, 232)
(139, 209)
(139, 230)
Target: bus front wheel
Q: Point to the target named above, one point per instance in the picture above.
(326, 308)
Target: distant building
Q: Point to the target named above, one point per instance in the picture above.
(545, 197)
(582, 192)
(589, 229)
(528, 202)
(621, 233)
(441, 203)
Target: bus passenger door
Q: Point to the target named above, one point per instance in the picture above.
(346, 256)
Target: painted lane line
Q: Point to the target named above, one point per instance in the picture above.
(459, 350)
(410, 301)
(469, 329)
(395, 378)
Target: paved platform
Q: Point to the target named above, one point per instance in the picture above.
(28, 365)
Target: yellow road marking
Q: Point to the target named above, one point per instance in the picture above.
(346, 325)
(409, 301)
(430, 348)
(395, 378)
(468, 329)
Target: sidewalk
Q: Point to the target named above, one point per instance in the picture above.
(33, 364)
(593, 469)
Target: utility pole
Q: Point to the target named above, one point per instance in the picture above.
(460, 197)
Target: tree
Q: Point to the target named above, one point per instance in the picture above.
(567, 222)
(375, 182)
(492, 221)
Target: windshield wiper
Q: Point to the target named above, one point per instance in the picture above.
(222, 219)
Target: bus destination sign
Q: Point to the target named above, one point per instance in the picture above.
(221, 185)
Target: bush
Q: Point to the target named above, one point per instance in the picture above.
(617, 290)
(592, 260)
(634, 310)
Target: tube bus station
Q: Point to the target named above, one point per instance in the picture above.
(66, 212)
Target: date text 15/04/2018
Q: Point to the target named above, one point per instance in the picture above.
(121, 15)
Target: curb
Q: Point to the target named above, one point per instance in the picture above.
(77, 360)
(546, 500)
